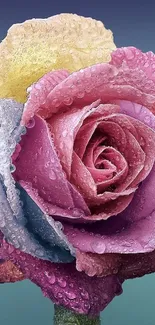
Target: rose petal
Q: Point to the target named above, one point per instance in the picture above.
(137, 68)
(64, 285)
(143, 202)
(137, 111)
(81, 178)
(10, 273)
(48, 232)
(10, 135)
(137, 265)
(124, 78)
(38, 163)
(115, 167)
(15, 232)
(106, 237)
(39, 91)
(64, 128)
(89, 125)
(127, 266)
(100, 265)
(38, 46)
(146, 135)
(78, 200)
(83, 137)
(127, 145)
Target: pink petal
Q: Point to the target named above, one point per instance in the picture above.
(40, 90)
(82, 178)
(102, 206)
(64, 128)
(128, 266)
(131, 79)
(136, 237)
(95, 264)
(115, 167)
(137, 68)
(83, 137)
(129, 147)
(38, 163)
(137, 111)
(114, 206)
(63, 284)
(73, 214)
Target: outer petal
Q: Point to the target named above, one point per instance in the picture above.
(10, 273)
(107, 237)
(108, 82)
(38, 163)
(43, 227)
(64, 285)
(40, 90)
(127, 266)
(10, 135)
(38, 46)
(21, 237)
(12, 220)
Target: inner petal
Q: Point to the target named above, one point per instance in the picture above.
(126, 141)
(64, 128)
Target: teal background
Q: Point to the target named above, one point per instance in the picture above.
(22, 303)
(133, 23)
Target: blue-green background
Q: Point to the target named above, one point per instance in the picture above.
(133, 23)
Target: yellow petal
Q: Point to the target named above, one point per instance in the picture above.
(38, 46)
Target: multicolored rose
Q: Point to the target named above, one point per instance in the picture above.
(77, 160)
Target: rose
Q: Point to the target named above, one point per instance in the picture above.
(102, 105)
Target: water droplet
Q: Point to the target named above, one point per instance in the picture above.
(147, 119)
(67, 100)
(39, 252)
(70, 295)
(71, 285)
(64, 133)
(59, 295)
(35, 179)
(2, 222)
(96, 298)
(10, 249)
(52, 279)
(52, 175)
(137, 108)
(87, 305)
(98, 247)
(40, 150)
(80, 94)
(62, 283)
(12, 168)
(84, 294)
(31, 123)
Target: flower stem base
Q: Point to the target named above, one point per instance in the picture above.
(64, 316)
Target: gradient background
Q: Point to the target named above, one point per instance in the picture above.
(133, 23)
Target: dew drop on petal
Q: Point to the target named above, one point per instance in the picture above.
(84, 294)
(52, 175)
(70, 295)
(12, 168)
(62, 283)
(98, 247)
(31, 123)
(59, 295)
(51, 278)
(64, 133)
